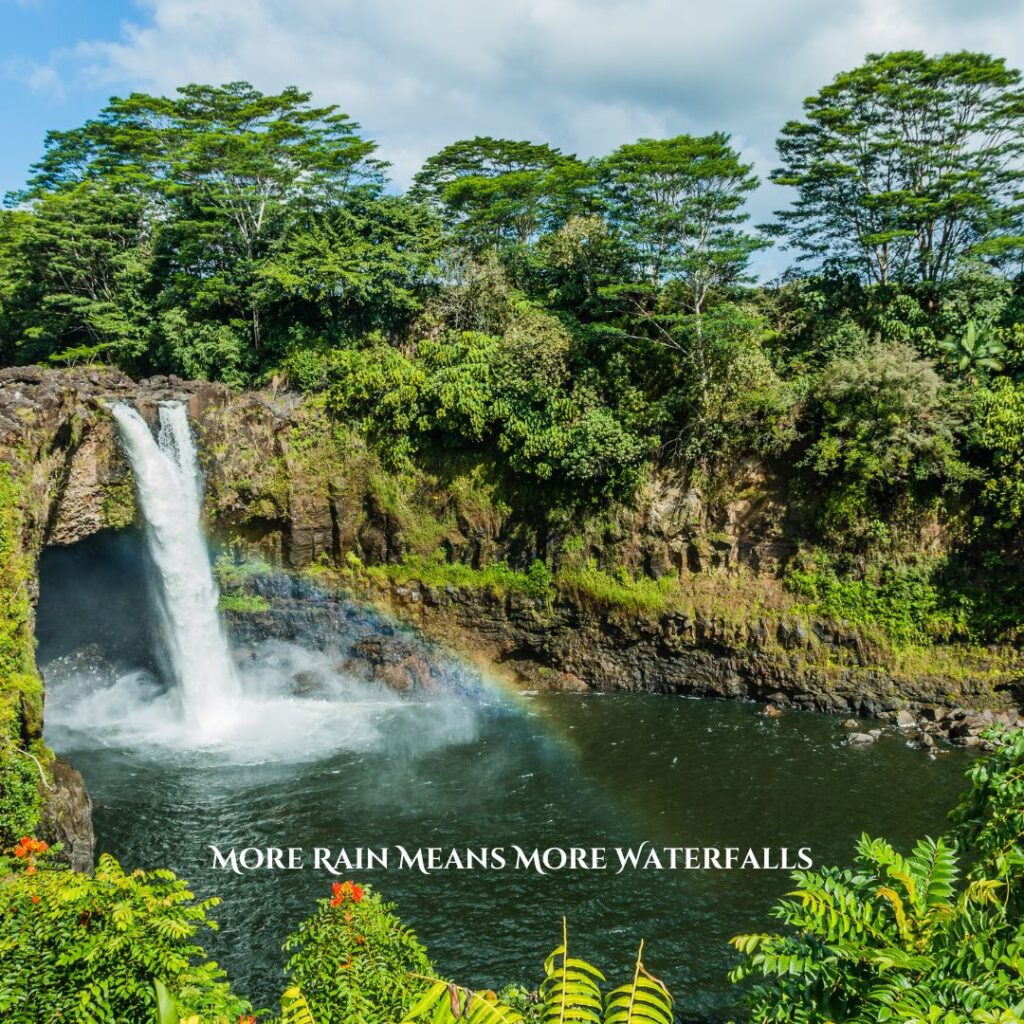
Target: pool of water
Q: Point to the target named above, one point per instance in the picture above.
(532, 770)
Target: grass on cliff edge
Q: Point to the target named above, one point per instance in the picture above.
(737, 605)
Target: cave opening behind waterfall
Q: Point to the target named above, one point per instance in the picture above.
(96, 601)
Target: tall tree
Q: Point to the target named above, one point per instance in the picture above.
(498, 192)
(226, 170)
(678, 203)
(907, 164)
(78, 276)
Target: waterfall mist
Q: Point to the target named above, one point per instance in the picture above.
(178, 686)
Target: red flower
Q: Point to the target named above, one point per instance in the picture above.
(342, 891)
(35, 898)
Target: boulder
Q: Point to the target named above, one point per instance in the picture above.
(860, 739)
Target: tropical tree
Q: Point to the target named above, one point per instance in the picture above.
(225, 175)
(494, 193)
(678, 204)
(80, 276)
(906, 165)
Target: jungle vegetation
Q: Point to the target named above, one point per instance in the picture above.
(573, 323)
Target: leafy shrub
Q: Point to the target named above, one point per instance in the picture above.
(1000, 432)
(86, 948)
(990, 816)
(893, 938)
(901, 600)
(916, 938)
(354, 961)
(884, 429)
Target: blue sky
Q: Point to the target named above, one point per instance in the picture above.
(585, 75)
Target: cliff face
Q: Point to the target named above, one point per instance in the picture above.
(281, 479)
(279, 476)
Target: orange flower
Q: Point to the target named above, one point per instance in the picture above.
(28, 846)
(35, 898)
(30, 870)
(345, 890)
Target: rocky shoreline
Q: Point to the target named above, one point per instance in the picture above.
(569, 648)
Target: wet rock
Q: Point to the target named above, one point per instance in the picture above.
(924, 740)
(851, 723)
(860, 739)
(905, 719)
(67, 817)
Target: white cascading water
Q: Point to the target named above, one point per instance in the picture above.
(167, 483)
(289, 702)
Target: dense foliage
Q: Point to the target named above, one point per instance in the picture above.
(87, 948)
(570, 323)
(21, 691)
(925, 937)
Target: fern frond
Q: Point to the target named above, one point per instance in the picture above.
(645, 1000)
(445, 1003)
(570, 993)
(294, 1008)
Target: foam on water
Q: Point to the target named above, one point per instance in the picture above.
(295, 704)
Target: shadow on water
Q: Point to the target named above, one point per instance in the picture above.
(483, 771)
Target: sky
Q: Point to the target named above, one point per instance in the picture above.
(583, 75)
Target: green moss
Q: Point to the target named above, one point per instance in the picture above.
(619, 590)
(244, 604)
(21, 690)
(119, 504)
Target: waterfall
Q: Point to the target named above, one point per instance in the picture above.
(167, 483)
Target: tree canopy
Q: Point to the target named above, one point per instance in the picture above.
(906, 165)
(573, 322)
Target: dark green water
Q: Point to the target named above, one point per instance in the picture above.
(541, 771)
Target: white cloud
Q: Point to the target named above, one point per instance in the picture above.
(586, 75)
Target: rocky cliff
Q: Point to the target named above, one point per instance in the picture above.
(286, 482)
